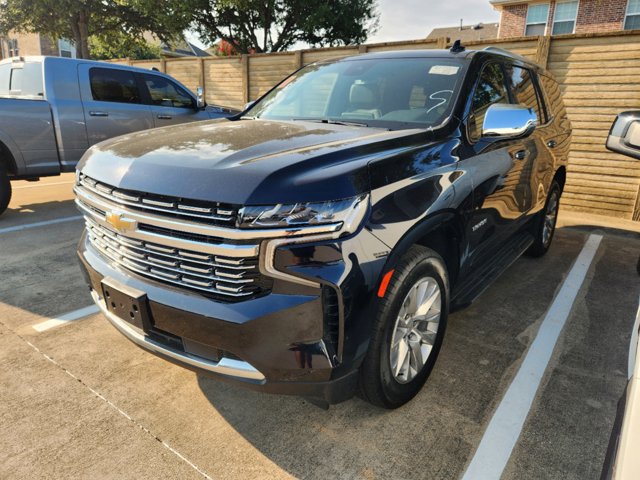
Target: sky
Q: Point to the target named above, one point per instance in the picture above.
(414, 19)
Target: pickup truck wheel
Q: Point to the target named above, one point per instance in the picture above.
(5, 189)
(544, 226)
(408, 330)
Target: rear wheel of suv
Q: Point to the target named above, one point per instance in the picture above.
(5, 189)
(544, 226)
(408, 330)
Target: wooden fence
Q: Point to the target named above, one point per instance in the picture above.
(599, 75)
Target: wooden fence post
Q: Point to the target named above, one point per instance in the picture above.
(441, 43)
(362, 49)
(203, 80)
(297, 59)
(163, 65)
(542, 51)
(244, 61)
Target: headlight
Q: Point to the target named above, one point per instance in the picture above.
(349, 212)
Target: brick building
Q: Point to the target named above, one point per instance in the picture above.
(520, 18)
(22, 44)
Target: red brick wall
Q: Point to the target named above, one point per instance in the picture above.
(600, 16)
(593, 16)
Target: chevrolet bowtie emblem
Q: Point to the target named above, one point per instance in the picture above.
(119, 222)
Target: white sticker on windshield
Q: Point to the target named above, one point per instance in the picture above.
(444, 70)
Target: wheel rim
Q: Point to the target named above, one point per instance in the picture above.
(415, 330)
(550, 216)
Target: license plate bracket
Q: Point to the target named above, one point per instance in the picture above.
(127, 303)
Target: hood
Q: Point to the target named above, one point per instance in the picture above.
(249, 162)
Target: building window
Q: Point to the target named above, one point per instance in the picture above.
(537, 16)
(564, 18)
(14, 51)
(66, 48)
(632, 19)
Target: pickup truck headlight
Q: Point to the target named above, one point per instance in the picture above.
(349, 212)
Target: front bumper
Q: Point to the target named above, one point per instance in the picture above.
(275, 343)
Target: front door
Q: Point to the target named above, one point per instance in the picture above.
(112, 103)
(169, 102)
(500, 170)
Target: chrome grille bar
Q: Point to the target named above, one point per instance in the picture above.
(213, 276)
(219, 214)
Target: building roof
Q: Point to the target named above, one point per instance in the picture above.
(182, 48)
(467, 33)
(498, 4)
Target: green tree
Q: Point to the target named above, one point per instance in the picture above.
(105, 47)
(109, 20)
(277, 25)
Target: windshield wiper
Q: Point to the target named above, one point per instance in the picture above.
(331, 122)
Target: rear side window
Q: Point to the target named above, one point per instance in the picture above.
(165, 93)
(523, 90)
(491, 89)
(21, 79)
(111, 85)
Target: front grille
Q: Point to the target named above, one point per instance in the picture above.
(223, 277)
(213, 213)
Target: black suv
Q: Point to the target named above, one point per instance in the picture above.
(314, 244)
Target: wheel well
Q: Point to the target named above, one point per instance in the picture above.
(444, 241)
(561, 177)
(6, 158)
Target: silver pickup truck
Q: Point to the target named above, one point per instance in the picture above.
(53, 109)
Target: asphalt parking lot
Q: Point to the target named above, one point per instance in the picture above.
(77, 400)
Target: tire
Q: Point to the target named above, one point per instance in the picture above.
(384, 380)
(5, 189)
(544, 225)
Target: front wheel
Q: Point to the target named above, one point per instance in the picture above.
(5, 189)
(544, 225)
(408, 330)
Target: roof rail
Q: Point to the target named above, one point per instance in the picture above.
(507, 53)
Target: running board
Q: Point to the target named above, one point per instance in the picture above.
(473, 286)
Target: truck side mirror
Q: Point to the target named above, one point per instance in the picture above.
(200, 98)
(512, 121)
(624, 136)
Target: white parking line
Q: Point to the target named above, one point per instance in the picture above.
(18, 228)
(505, 426)
(42, 185)
(66, 318)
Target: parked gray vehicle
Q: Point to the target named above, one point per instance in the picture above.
(53, 109)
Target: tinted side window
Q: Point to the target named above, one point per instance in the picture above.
(165, 93)
(553, 94)
(111, 85)
(490, 90)
(524, 90)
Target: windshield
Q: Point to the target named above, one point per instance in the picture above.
(388, 93)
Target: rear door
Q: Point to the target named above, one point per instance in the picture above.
(170, 103)
(112, 103)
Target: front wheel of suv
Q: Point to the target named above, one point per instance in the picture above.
(5, 189)
(408, 330)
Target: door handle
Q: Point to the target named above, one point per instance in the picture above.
(165, 117)
(552, 144)
(98, 114)
(521, 154)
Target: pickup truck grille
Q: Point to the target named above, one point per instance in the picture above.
(209, 212)
(175, 251)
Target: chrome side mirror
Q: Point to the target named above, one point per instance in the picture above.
(200, 97)
(504, 120)
(624, 136)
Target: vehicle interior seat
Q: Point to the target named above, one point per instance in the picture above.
(363, 99)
